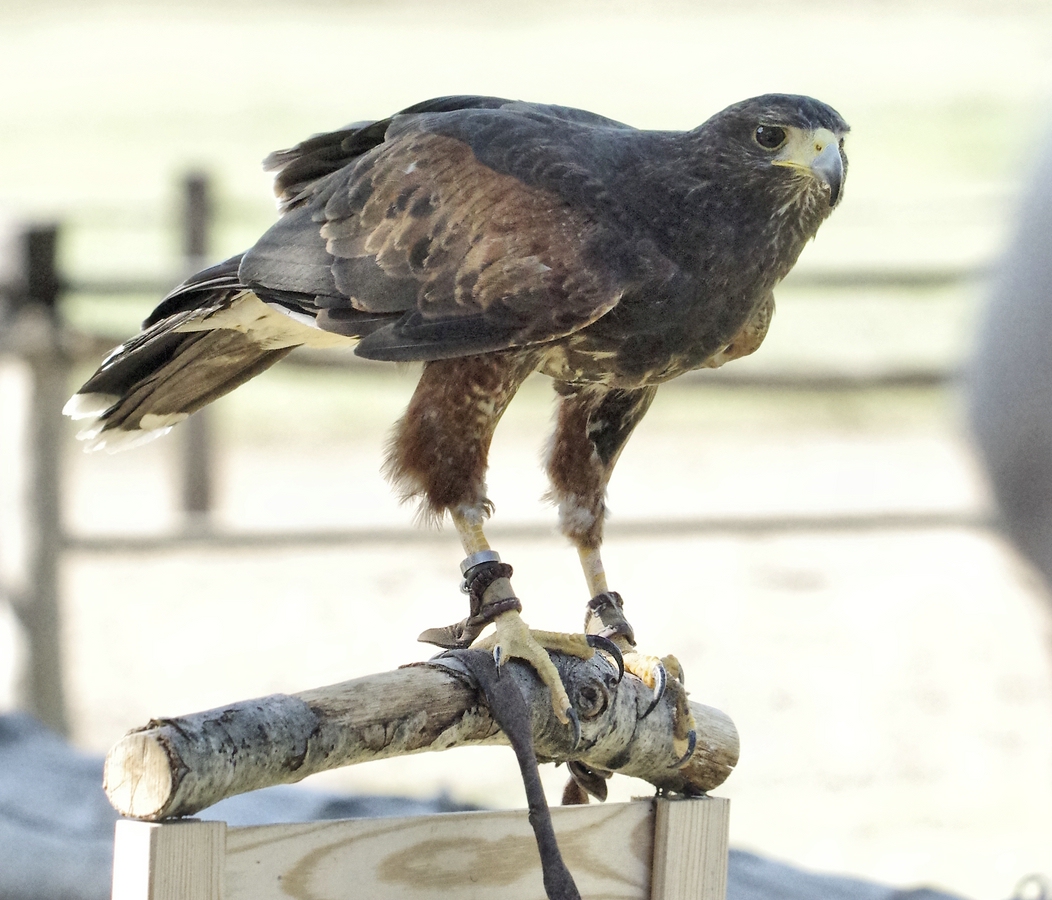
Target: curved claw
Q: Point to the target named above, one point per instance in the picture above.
(598, 642)
(575, 723)
(588, 779)
(498, 658)
(660, 682)
(692, 745)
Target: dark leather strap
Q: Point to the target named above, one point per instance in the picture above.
(509, 711)
(477, 580)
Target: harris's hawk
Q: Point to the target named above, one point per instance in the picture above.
(491, 239)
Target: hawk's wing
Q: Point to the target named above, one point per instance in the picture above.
(461, 226)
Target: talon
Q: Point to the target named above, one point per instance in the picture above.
(575, 723)
(588, 780)
(692, 744)
(498, 658)
(675, 668)
(598, 642)
(660, 682)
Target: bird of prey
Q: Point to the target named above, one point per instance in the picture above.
(490, 239)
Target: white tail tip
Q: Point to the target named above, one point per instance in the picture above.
(98, 437)
(83, 406)
(115, 440)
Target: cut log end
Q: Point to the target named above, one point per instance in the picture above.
(138, 775)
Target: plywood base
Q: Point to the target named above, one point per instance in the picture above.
(645, 850)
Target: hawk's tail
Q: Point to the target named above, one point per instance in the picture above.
(209, 336)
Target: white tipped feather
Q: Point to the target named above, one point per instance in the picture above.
(151, 426)
(117, 439)
(91, 432)
(83, 406)
(266, 327)
(153, 421)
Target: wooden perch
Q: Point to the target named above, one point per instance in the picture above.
(177, 767)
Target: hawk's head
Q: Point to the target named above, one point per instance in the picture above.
(792, 144)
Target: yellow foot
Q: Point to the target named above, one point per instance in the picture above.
(513, 638)
(661, 675)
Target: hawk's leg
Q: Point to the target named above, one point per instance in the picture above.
(439, 456)
(488, 583)
(593, 425)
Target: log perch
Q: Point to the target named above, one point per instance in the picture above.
(177, 767)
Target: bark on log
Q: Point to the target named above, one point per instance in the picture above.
(177, 767)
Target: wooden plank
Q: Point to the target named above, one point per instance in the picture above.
(690, 849)
(645, 850)
(466, 856)
(174, 861)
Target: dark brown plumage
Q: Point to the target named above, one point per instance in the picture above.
(491, 239)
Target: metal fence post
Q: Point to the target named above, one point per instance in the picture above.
(197, 458)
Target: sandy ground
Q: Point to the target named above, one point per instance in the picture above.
(892, 688)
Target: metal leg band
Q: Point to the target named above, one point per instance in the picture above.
(483, 556)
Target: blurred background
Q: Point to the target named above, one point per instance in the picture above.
(809, 530)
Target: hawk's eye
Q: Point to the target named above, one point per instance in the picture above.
(770, 137)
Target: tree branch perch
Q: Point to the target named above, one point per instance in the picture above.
(177, 767)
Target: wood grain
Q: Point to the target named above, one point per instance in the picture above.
(473, 856)
(690, 850)
(655, 849)
(176, 861)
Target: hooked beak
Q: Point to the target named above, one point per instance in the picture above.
(828, 167)
(815, 154)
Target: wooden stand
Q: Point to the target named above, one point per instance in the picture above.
(645, 850)
(649, 849)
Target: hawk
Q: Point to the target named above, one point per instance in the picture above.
(490, 239)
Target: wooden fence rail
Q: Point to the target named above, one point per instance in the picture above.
(31, 329)
(929, 278)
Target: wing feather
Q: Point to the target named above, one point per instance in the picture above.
(482, 246)
(474, 224)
